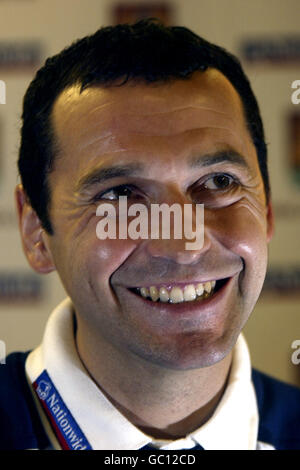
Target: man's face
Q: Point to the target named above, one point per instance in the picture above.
(180, 142)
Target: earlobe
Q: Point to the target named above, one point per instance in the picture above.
(34, 239)
(270, 221)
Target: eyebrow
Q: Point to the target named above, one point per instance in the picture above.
(100, 175)
(223, 156)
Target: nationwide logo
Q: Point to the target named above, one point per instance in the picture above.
(43, 389)
(63, 423)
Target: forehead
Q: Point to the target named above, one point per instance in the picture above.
(203, 89)
(117, 118)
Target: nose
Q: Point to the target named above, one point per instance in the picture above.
(187, 238)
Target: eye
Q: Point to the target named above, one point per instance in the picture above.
(113, 194)
(220, 181)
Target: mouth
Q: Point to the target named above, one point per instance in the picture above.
(180, 293)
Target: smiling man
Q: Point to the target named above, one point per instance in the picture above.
(147, 351)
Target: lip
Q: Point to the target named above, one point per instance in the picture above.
(202, 307)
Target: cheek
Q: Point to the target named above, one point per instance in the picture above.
(242, 229)
(104, 257)
(83, 260)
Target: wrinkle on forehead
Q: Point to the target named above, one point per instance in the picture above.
(167, 123)
(109, 128)
(120, 143)
(199, 141)
(156, 113)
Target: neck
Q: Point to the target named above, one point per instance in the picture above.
(164, 403)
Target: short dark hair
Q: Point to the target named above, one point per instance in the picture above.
(146, 50)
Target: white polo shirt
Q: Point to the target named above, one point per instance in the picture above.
(77, 415)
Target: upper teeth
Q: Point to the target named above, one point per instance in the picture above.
(177, 294)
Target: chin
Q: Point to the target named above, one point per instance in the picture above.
(195, 354)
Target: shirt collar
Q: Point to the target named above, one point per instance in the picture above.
(106, 428)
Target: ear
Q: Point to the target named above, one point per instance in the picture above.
(34, 239)
(270, 221)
